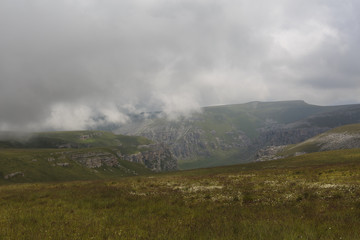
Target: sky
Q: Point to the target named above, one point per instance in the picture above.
(75, 64)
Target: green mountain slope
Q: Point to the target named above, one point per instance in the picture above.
(70, 139)
(231, 134)
(345, 137)
(44, 165)
(78, 155)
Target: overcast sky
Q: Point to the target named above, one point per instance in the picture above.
(64, 62)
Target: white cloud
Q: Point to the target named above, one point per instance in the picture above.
(69, 117)
(65, 63)
(299, 42)
(179, 104)
(80, 116)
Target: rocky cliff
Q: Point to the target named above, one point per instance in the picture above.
(156, 157)
(96, 159)
(185, 139)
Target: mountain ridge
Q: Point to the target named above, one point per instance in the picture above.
(230, 134)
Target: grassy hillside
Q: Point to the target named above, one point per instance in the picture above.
(351, 129)
(249, 117)
(344, 137)
(282, 112)
(314, 196)
(48, 165)
(78, 139)
(66, 156)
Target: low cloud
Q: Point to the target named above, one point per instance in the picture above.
(77, 64)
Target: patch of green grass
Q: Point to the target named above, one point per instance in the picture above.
(314, 196)
(352, 128)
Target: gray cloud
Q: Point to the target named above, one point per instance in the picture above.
(63, 63)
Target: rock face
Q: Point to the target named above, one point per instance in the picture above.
(284, 135)
(96, 159)
(12, 175)
(185, 140)
(157, 158)
(268, 153)
(337, 141)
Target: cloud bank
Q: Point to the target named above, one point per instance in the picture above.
(65, 63)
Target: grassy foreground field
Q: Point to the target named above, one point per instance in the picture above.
(314, 196)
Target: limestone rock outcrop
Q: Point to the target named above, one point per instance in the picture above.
(96, 159)
(156, 157)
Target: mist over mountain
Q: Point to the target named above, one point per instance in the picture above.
(64, 64)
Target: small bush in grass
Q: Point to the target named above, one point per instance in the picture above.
(248, 197)
(236, 199)
(207, 196)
